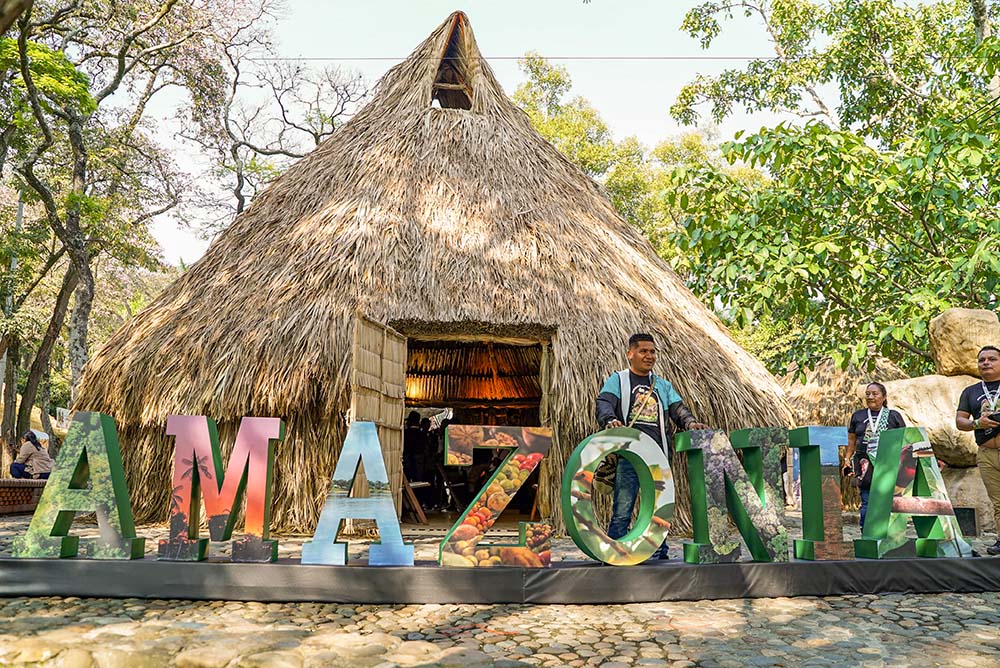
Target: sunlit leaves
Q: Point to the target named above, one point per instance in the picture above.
(57, 79)
(857, 244)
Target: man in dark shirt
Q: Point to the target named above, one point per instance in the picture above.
(641, 399)
(978, 409)
(414, 448)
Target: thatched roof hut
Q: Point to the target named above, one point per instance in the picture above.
(439, 211)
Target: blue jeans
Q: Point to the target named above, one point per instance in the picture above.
(864, 504)
(20, 471)
(625, 494)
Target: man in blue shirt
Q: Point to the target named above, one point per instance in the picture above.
(642, 400)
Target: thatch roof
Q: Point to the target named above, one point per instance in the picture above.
(433, 220)
(829, 395)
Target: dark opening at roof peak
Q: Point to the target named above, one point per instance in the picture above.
(454, 81)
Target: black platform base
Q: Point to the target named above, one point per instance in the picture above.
(568, 583)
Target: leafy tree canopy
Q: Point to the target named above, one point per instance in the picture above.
(881, 209)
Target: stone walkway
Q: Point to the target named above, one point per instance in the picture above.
(888, 630)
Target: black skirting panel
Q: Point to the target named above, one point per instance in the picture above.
(568, 583)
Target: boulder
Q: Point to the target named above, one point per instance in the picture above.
(957, 335)
(930, 402)
(966, 490)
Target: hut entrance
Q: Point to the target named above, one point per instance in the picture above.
(483, 382)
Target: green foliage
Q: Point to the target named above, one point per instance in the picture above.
(860, 245)
(634, 178)
(778, 84)
(56, 78)
(893, 65)
(92, 208)
(572, 126)
(870, 221)
(259, 168)
(771, 341)
(60, 389)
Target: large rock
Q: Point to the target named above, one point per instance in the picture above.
(966, 490)
(957, 335)
(931, 402)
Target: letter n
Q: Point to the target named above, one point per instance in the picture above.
(361, 446)
(719, 483)
(198, 476)
(87, 477)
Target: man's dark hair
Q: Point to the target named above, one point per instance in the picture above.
(987, 348)
(636, 339)
(413, 419)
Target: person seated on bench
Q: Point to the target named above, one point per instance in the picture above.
(33, 460)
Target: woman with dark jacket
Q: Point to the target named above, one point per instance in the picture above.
(862, 438)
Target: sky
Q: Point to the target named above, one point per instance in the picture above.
(633, 96)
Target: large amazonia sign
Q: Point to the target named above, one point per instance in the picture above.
(88, 478)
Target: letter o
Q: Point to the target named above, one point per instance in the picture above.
(656, 494)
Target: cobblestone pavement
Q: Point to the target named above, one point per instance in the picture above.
(887, 630)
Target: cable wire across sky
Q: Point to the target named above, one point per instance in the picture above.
(400, 58)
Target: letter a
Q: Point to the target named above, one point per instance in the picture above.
(361, 446)
(89, 455)
(907, 484)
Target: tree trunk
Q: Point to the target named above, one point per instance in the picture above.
(40, 366)
(981, 21)
(75, 242)
(45, 404)
(7, 433)
(10, 10)
(78, 325)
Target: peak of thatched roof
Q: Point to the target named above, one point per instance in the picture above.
(437, 220)
(446, 70)
(456, 75)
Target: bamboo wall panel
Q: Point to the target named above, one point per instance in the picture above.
(393, 371)
(377, 388)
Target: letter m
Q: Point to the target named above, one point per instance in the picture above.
(199, 477)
